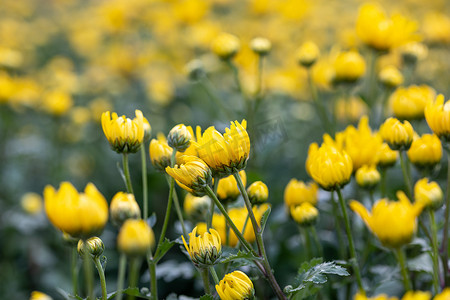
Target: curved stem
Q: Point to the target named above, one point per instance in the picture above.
(406, 176)
(205, 277)
(166, 218)
(402, 260)
(121, 275)
(101, 274)
(144, 181)
(214, 274)
(74, 270)
(350, 241)
(126, 171)
(444, 246)
(435, 255)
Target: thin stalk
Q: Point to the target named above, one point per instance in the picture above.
(383, 182)
(227, 228)
(235, 71)
(319, 106)
(209, 90)
(259, 240)
(259, 82)
(121, 275)
(175, 196)
(307, 242)
(205, 277)
(89, 277)
(144, 181)
(126, 171)
(444, 246)
(166, 218)
(74, 270)
(133, 274)
(214, 274)
(101, 274)
(350, 240)
(337, 223)
(211, 208)
(317, 241)
(406, 177)
(371, 88)
(402, 260)
(152, 270)
(435, 255)
(371, 197)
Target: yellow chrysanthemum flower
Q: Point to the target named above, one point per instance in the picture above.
(349, 66)
(31, 203)
(225, 46)
(444, 295)
(179, 137)
(258, 192)
(204, 249)
(297, 192)
(393, 222)
(396, 134)
(195, 207)
(429, 194)
(386, 156)
(367, 176)
(81, 215)
(416, 295)
(304, 214)
(437, 114)
(123, 206)
(235, 286)
(123, 134)
(307, 54)
(227, 189)
(425, 151)
(135, 238)
(390, 76)
(409, 103)
(160, 152)
(36, 295)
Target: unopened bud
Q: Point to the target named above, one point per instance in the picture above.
(179, 138)
(93, 246)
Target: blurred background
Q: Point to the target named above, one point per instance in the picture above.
(64, 62)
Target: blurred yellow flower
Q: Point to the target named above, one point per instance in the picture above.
(160, 152)
(390, 76)
(349, 66)
(193, 174)
(360, 296)
(204, 249)
(444, 295)
(367, 176)
(235, 286)
(227, 189)
(429, 194)
(297, 192)
(437, 114)
(258, 192)
(417, 295)
(31, 203)
(57, 102)
(393, 222)
(304, 214)
(195, 207)
(409, 103)
(307, 54)
(425, 151)
(396, 134)
(261, 46)
(123, 206)
(123, 134)
(81, 215)
(386, 156)
(225, 45)
(436, 27)
(135, 238)
(36, 295)
(350, 109)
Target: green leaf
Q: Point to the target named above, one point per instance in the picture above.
(264, 219)
(66, 295)
(238, 256)
(163, 248)
(128, 291)
(207, 297)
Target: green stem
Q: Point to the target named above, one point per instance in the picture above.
(89, 277)
(406, 177)
(307, 241)
(175, 196)
(317, 241)
(211, 208)
(383, 182)
(444, 246)
(235, 71)
(144, 181)
(402, 260)
(227, 228)
(371, 91)
(74, 270)
(350, 240)
(101, 274)
(133, 274)
(152, 269)
(126, 171)
(121, 275)
(435, 255)
(205, 277)
(319, 106)
(209, 90)
(214, 274)
(259, 240)
(166, 218)
(337, 223)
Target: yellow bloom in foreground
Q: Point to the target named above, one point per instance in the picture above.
(235, 286)
(349, 66)
(359, 296)
(386, 156)
(409, 103)
(304, 214)
(135, 238)
(192, 174)
(444, 295)
(397, 135)
(328, 166)
(31, 203)
(429, 194)
(437, 114)
(123, 134)
(426, 151)
(225, 45)
(367, 176)
(160, 152)
(227, 189)
(258, 192)
(35, 295)
(228, 153)
(393, 222)
(297, 192)
(307, 54)
(81, 215)
(123, 206)
(416, 295)
(204, 249)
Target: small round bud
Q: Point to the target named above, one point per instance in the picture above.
(160, 152)
(428, 193)
(31, 203)
(195, 69)
(93, 246)
(390, 76)
(258, 192)
(123, 206)
(367, 177)
(425, 152)
(304, 214)
(307, 54)
(179, 138)
(135, 238)
(349, 66)
(227, 189)
(412, 52)
(261, 46)
(225, 46)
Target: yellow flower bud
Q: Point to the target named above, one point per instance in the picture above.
(195, 207)
(93, 246)
(195, 69)
(393, 222)
(123, 134)
(417, 295)
(135, 238)
(31, 203)
(328, 166)
(261, 46)
(205, 249)
(258, 192)
(179, 138)
(193, 174)
(147, 130)
(227, 189)
(304, 214)
(65, 206)
(297, 192)
(412, 52)
(390, 76)
(228, 153)
(386, 156)
(397, 135)
(437, 115)
(123, 206)
(225, 46)
(235, 286)
(307, 54)
(57, 102)
(35, 295)
(409, 103)
(367, 176)
(426, 151)
(444, 295)
(160, 152)
(429, 194)
(349, 66)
